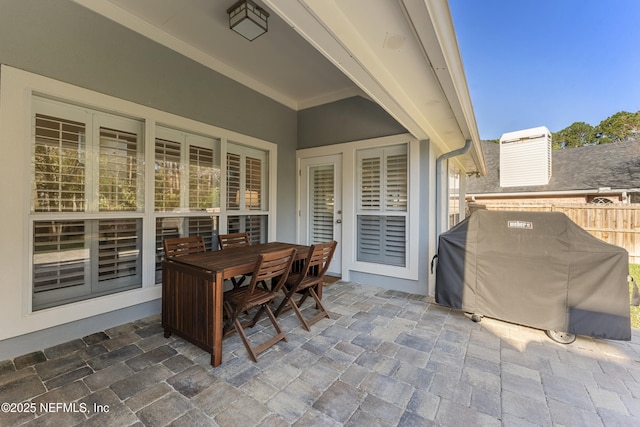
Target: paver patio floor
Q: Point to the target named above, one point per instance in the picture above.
(385, 358)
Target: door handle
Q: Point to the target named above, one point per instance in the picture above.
(338, 221)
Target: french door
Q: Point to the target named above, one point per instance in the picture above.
(321, 204)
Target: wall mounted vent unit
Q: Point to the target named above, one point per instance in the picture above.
(525, 157)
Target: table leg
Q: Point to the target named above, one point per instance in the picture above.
(218, 286)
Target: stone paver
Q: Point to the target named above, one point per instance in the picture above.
(385, 358)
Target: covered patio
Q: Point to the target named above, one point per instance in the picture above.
(384, 358)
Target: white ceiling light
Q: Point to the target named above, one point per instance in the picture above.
(248, 19)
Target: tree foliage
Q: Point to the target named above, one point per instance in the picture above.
(617, 128)
(576, 135)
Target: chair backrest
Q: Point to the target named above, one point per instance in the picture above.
(179, 246)
(233, 240)
(270, 265)
(319, 258)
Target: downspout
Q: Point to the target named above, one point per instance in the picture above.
(440, 178)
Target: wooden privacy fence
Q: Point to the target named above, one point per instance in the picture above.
(615, 224)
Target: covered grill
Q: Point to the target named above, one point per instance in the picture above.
(537, 269)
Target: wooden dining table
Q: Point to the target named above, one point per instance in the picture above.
(193, 291)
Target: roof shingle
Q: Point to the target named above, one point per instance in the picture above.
(614, 165)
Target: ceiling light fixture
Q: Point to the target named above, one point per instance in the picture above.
(248, 19)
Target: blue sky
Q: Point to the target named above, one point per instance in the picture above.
(548, 63)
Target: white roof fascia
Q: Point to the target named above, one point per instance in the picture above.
(553, 193)
(323, 24)
(447, 64)
(431, 101)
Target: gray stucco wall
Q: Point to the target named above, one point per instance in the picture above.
(349, 119)
(63, 40)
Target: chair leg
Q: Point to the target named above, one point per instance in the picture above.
(284, 304)
(304, 297)
(237, 283)
(228, 327)
(280, 336)
(289, 302)
(256, 318)
(234, 282)
(321, 308)
(254, 351)
(245, 340)
(296, 310)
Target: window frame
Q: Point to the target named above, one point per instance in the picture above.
(243, 214)
(184, 215)
(348, 151)
(17, 90)
(92, 215)
(378, 206)
(455, 205)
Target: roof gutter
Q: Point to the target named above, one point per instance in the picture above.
(551, 193)
(441, 179)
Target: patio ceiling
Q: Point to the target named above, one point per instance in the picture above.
(402, 54)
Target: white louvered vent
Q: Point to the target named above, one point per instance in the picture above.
(525, 157)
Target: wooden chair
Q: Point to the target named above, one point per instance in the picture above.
(179, 246)
(270, 265)
(234, 240)
(308, 282)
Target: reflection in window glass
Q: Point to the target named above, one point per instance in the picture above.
(173, 226)
(254, 225)
(59, 165)
(68, 266)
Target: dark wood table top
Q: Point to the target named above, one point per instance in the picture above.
(236, 261)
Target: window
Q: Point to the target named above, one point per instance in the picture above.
(601, 201)
(454, 197)
(382, 205)
(59, 165)
(105, 180)
(187, 172)
(247, 192)
(180, 226)
(86, 171)
(321, 195)
(187, 188)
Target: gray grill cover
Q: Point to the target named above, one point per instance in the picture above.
(538, 269)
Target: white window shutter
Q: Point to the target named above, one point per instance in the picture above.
(59, 255)
(321, 203)
(370, 184)
(396, 183)
(119, 170)
(233, 181)
(247, 183)
(119, 254)
(59, 163)
(253, 184)
(383, 203)
(167, 175)
(201, 177)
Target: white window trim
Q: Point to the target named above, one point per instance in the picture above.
(186, 140)
(243, 150)
(17, 88)
(348, 151)
(453, 173)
